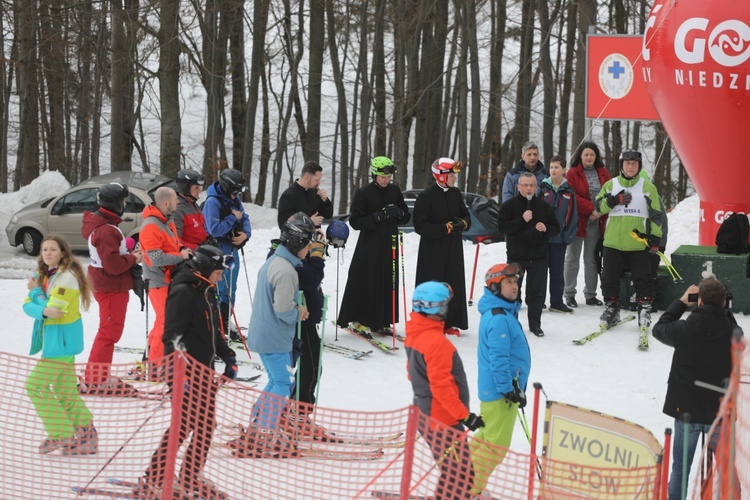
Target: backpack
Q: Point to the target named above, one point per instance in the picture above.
(732, 236)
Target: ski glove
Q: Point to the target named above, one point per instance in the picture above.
(393, 212)
(652, 241)
(318, 249)
(621, 198)
(459, 224)
(517, 396)
(231, 369)
(473, 421)
(379, 216)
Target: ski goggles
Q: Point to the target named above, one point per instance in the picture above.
(237, 191)
(444, 168)
(387, 170)
(227, 261)
(511, 270)
(441, 306)
(631, 156)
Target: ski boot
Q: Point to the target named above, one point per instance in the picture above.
(644, 320)
(86, 442)
(202, 488)
(360, 329)
(611, 315)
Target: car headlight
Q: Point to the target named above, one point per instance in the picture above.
(14, 219)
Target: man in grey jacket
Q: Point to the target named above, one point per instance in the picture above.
(271, 335)
(529, 162)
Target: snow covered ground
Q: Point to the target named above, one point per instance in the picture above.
(609, 375)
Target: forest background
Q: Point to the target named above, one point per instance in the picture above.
(89, 86)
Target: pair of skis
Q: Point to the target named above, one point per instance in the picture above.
(369, 338)
(642, 336)
(140, 350)
(132, 494)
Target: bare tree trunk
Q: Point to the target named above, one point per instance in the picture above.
(342, 120)
(83, 117)
(265, 149)
(406, 36)
(169, 88)
(365, 99)
(491, 155)
(100, 77)
(316, 36)
(52, 58)
(213, 75)
(27, 162)
(378, 80)
(257, 59)
(567, 76)
(586, 18)
(525, 84)
(475, 137)
(549, 85)
(235, 15)
(6, 82)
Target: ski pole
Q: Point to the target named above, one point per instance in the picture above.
(239, 332)
(322, 342)
(525, 426)
(338, 265)
(403, 271)
(393, 295)
(145, 351)
(247, 278)
(300, 301)
(474, 275)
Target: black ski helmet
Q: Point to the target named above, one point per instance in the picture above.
(110, 196)
(208, 258)
(231, 182)
(631, 154)
(337, 234)
(297, 232)
(186, 179)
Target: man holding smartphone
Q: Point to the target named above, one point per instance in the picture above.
(702, 353)
(305, 196)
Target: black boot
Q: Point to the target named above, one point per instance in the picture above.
(611, 315)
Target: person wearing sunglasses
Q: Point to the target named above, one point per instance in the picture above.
(229, 226)
(528, 224)
(188, 218)
(377, 210)
(503, 366)
(192, 326)
(440, 216)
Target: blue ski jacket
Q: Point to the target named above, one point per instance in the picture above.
(503, 352)
(220, 221)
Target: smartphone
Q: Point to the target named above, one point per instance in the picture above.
(692, 297)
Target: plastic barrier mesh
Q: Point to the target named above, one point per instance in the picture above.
(726, 475)
(191, 435)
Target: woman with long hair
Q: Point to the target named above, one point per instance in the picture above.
(57, 291)
(586, 176)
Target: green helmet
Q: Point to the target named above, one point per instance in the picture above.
(382, 165)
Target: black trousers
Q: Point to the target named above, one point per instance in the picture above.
(535, 276)
(199, 419)
(641, 265)
(453, 457)
(308, 363)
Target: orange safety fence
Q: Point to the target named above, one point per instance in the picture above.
(726, 474)
(140, 426)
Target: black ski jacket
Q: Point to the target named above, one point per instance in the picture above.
(702, 351)
(522, 240)
(298, 199)
(192, 317)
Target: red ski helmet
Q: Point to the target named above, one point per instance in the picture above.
(444, 166)
(498, 273)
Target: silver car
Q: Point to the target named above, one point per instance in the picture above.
(64, 214)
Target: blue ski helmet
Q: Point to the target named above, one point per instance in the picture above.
(337, 234)
(432, 297)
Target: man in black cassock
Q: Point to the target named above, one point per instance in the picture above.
(440, 216)
(377, 210)
(306, 196)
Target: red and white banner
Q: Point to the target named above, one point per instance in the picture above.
(615, 87)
